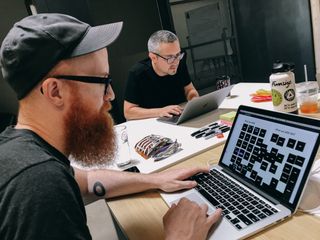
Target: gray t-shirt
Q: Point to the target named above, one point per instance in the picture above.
(39, 197)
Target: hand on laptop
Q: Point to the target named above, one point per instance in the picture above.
(170, 110)
(174, 180)
(187, 220)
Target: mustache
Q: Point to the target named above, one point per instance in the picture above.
(107, 106)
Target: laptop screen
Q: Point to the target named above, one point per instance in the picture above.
(272, 151)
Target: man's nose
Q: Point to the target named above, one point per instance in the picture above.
(109, 96)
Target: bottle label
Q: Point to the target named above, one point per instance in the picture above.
(283, 95)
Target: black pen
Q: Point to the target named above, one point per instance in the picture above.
(199, 131)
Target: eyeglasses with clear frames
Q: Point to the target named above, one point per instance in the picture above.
(171, 59)
(87, 79)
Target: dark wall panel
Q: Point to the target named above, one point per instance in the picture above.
(76, 8)
(271, 30)
(10, 12)
(141, 19)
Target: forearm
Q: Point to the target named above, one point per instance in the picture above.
(190, 91)
(121, 183)
(111, 183)
(191, 94)
(141, 113)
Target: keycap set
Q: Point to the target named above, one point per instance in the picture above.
(156, 146)
(273, 163)
(240, 207)
(211, 130)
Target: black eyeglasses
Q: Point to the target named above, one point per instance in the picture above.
(171, 59)
(86, 79)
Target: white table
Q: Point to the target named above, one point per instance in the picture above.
(240, 95)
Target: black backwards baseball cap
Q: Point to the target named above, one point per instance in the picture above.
(37, 43)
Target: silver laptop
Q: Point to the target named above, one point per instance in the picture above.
(198, 106)
(261, 174)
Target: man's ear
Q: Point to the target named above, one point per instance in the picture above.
(54, 90)
(152, 56)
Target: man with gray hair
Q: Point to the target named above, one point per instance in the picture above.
(157, 85)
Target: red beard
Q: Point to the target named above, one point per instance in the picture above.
(90, 138)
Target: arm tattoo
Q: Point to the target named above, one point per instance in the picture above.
(99, 189)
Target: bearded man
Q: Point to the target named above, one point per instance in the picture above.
(58, 67)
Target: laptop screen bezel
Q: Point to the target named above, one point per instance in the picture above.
(275, 115)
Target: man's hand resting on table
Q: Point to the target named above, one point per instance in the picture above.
(174, 180)
(188, 221)
(170, 110)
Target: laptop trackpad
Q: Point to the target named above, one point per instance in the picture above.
(195, 197)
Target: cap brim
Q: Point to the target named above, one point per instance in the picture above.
(97, 37)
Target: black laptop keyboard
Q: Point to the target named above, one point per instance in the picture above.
(240, 207)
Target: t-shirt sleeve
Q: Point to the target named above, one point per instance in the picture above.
(183, 71)
(48, 206)
(132, 91)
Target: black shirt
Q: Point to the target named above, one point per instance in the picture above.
(149, 90)
(39, 197)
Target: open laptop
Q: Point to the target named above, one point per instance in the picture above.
(261, 174)
(198, 106)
